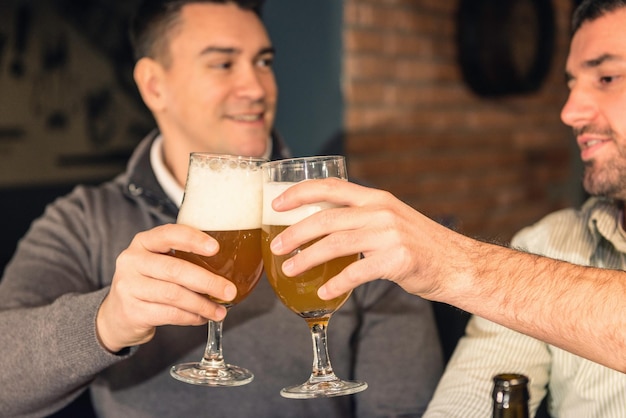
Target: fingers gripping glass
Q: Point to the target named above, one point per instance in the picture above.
(300, 293)
(223, 198)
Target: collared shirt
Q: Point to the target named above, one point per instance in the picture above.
(576, 387)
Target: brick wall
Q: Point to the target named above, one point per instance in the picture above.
(491, 166)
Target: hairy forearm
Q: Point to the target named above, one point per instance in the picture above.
(579, 309)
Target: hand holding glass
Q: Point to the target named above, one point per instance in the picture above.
(300, 293)
(223, 198)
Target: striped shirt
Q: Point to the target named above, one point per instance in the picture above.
(575, 387)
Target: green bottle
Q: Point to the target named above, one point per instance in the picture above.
(510, 396)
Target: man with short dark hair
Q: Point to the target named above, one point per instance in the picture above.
(92, 298)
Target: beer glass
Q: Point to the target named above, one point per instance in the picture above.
(223, 198)
(300, 293)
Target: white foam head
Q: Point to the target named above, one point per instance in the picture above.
(271, 190)
(222, 195)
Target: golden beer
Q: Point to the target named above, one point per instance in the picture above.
(299, 293)
(223, 198)
(239, 260)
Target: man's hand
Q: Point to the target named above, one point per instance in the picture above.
(398, 243)
(151, 288)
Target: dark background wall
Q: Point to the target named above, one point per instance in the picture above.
(308, 37)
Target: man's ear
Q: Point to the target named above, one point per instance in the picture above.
(148, 75)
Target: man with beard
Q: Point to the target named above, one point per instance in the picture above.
(567, 307)
(592, 235)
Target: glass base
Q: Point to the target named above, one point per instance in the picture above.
(323, 389)
(198, 374)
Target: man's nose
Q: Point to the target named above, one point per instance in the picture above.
(579, 109)
(251, 84)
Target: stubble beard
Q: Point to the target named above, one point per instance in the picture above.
(608, 180)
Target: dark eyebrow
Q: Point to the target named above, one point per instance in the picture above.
(232, 51)
(267, 50)
(219, 50)
(595, 62)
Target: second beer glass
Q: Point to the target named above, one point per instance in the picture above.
(223, 198)
(300, 293)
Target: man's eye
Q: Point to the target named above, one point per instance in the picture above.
(222, 65)
(607, 79)
(266, 62)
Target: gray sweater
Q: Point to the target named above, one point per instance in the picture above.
(62, 269)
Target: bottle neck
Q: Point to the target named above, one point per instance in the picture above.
(510, 396)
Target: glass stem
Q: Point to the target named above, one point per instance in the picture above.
(213, 352)
(322, 370)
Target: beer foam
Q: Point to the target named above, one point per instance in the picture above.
(222, 195)
(271, 190)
